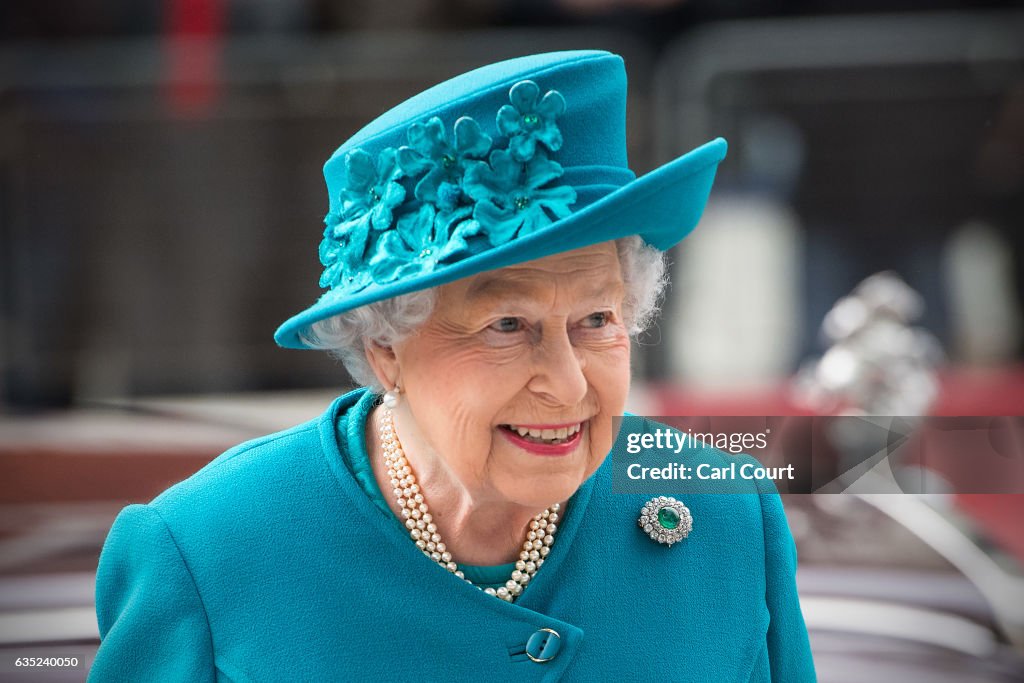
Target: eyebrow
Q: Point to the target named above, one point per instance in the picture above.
(498, 288)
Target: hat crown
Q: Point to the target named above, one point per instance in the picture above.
(593, 127)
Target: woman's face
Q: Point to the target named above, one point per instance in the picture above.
(539, 346)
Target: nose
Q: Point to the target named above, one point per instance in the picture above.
(558, 368)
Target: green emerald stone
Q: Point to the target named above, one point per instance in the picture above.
(668, 518)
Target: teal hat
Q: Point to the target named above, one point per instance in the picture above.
(505, 164)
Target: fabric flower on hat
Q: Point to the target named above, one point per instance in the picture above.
(372, 193)
(430, 151)
(510, 197)
(528, 121)
(342, 265)
(420, 241)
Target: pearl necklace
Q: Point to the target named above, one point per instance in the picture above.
(423, 531)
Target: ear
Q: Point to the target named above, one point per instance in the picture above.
(384, 362)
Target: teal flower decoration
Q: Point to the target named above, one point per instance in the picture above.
(420, 242)
(526, 121)
(510, 197)
(342, 258)
(443, 162)
(372, 193)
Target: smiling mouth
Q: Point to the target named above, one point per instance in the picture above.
(549, 437)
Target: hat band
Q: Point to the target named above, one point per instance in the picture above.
(590, 182)
(595, 182)
(582, 176)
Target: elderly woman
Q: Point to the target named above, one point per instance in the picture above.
(488, 255)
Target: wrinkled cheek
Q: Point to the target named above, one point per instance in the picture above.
(601, 441)
(613, 391)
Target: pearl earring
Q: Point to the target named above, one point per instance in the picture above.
(391, 396)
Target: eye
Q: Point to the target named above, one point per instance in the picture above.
(598, 319)
(508, 325)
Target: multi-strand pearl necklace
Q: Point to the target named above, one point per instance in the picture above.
(423, 530)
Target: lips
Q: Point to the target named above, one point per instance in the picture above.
(545, 439)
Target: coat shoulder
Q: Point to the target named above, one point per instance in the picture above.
(242, 465)
(254, 482)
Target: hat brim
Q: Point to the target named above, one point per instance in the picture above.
(662, 206)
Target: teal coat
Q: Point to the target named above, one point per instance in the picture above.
(272, 564)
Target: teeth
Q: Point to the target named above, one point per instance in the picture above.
(559, 434)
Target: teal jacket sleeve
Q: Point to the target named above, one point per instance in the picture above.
(789, 650)
(153, 626)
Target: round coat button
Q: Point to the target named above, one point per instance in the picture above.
(543, 645)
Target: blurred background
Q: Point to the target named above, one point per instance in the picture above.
(161, 203)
